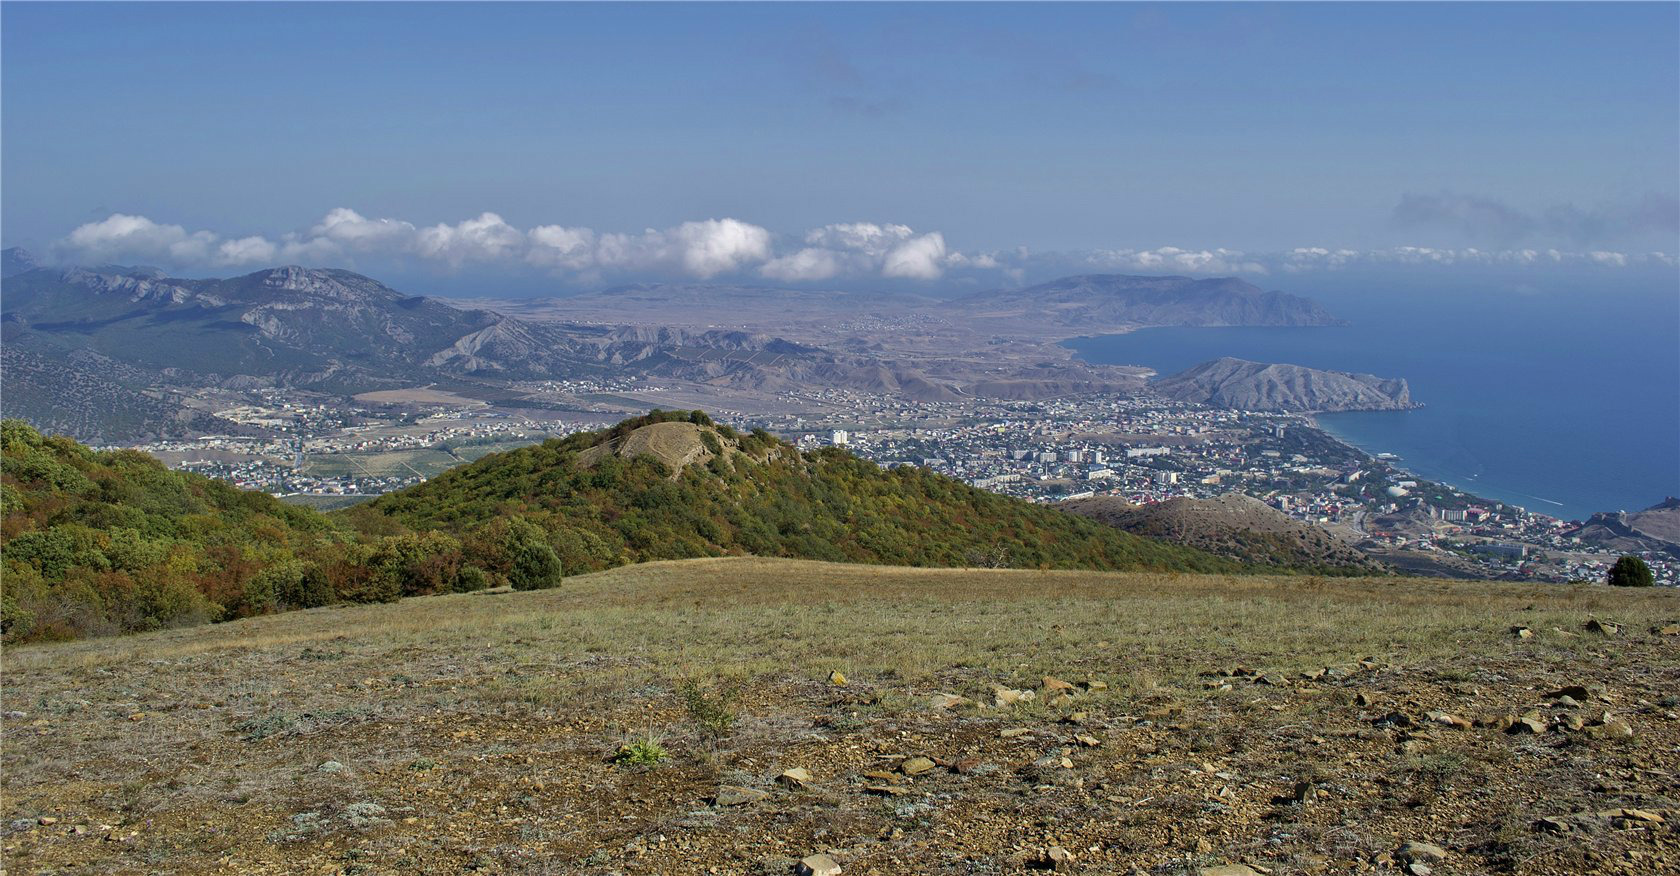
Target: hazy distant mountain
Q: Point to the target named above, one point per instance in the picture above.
(1234, 525)
(16, 260)
(1257, 386)
(1109, 302)
(1656, 528)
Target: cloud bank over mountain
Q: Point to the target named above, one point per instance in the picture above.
(713, 248)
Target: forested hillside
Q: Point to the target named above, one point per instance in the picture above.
(710, 491)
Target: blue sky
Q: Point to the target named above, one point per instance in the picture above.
(834, 143)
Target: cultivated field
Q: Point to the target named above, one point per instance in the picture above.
(1290, 725)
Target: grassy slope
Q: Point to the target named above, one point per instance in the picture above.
(481, 723)
(770, 501)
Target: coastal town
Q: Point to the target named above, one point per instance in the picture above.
(1140, 448)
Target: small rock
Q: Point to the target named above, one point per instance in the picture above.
(1093, 684)
(1004, 696)
(364, 814)
(1054, 684)
(798, 777)
(1303, 792)
(837, 678)
(818, 865)
(1228, 870)
(1013, 732)
(1421, 851)
(886, 790)
(947, 701)
(1273, 679)
(1574, 692)
(1616, 728)
(1087, 740)
(1057, 857)
(330, 766)
(1449, 720)
(1552, 825)
(1364, 700)
(915, 766)
(1606, 628)
(1418, 868)
(732, 795)
(1522, 632)
(47, 821)
(1670, 630)
(1529, 723)
(137, 716)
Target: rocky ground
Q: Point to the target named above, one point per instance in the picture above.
(749, 716)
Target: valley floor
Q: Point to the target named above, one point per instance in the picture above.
(1292, 725)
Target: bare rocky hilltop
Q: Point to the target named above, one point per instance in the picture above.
(1258, 386)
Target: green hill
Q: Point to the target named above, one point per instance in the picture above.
(97, 543)
(106, 542)
(674, 486)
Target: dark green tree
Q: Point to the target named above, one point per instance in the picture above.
(1630, 571)
(534, 566)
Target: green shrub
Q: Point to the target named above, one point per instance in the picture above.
(1630, 571)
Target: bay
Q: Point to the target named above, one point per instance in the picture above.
(1563, 404)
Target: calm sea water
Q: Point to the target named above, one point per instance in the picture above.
(1563, 404)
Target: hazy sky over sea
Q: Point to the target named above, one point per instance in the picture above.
(534, 144)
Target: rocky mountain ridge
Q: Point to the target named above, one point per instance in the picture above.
(1258, 386)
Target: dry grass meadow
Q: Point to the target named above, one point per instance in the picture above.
(476, 732)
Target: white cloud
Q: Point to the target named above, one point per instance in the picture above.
(717, 246)
(120, 236)
(485, 239)
(920, 258)
(709, 248)
(807, 265)
(1174, 259)
(246, 251)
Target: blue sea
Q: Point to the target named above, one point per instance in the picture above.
(1564, 402)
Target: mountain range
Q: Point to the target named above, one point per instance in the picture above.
(114, 354)
(1103, 303)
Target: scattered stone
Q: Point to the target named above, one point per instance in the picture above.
(1051, 683)
(1670, 630)
(1093, 684)
(1013, 732)
(1394, 719)
(1303, 792)
(733, 795)
(1005, 696)
(1530, 723)
(1364, 699)
(1418, 868)
(818, 865)
(1272, 679)
(1522, 632)
(966, 766)
(1087, 740)
(1228, 870)
(915, 766)
(1449, 720)
(1606, 628)
(47, 821)
(886, 790)
(947, 701)
(330, 766)
(1420, 851)
(1057, 858)
(838, 679)
(364, 814)
(798, 777)
(1571, 692)
(1616, 728)
(1625, 814)
(1552, 825)
(137, 716)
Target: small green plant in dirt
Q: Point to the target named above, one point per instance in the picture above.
(648, 750)
(711, 706)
